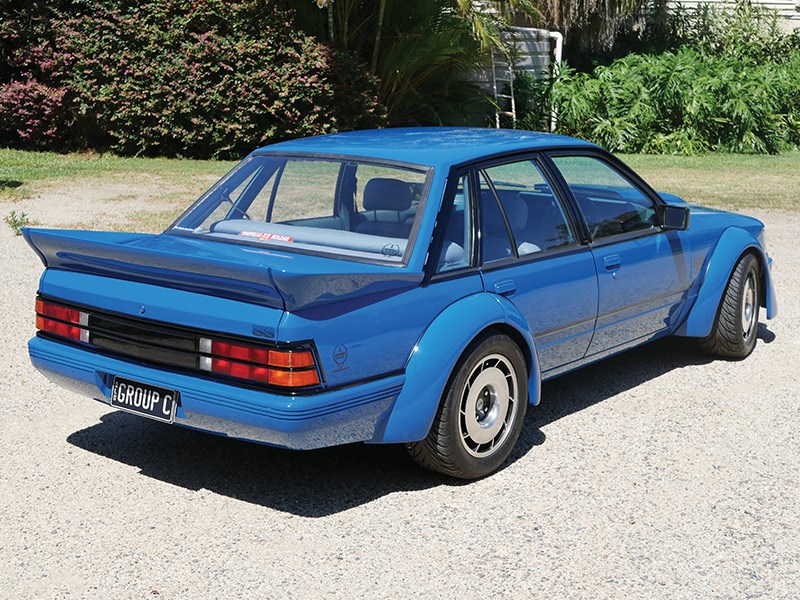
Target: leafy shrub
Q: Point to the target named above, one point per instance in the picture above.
(734, 88)
(746, 29)
(208, 78)
(533, 99)
(17, 221)
(683, 102)
(26, 49)
(33, 102)
(33, 113)
(200, 78)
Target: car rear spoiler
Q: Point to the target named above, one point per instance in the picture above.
(151, 259)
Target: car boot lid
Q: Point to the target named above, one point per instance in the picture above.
(287, 281)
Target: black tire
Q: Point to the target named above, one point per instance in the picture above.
(481, 413)
(736, 326)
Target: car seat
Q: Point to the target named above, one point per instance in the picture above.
(387, 199)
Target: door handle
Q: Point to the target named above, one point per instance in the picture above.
(612, 262)
(505, 287)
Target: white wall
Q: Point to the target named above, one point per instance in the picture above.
(788, 9)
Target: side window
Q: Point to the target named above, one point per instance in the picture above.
(455, 252)
(495, 242)
(610, 203)
(537, 218)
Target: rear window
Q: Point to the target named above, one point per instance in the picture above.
(354, 209)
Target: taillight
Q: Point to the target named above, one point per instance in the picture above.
(282, 368)
(62, 321)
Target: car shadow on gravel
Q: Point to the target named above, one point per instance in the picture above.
(323, 482)
(575, 391)
(313, 483)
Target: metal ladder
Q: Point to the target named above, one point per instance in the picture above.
(503, 72)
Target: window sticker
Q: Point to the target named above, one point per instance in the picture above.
(266, 237)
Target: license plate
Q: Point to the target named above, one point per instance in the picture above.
(144, 399)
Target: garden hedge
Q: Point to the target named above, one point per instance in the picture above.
(196, 78)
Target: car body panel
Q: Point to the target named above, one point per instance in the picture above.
(351, 414)
(557, 296)
(272, 278)
(157, 303)
(437, 352)
(439, 147)
(643, 284)
(384, 342)
(717, 269)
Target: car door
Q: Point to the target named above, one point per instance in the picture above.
(530, 252)
(643, 270)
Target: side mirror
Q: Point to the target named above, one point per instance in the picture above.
(675, 217)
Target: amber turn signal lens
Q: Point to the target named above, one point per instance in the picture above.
(293, 378)
(291, 359)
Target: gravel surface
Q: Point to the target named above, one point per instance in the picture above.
(655, 474)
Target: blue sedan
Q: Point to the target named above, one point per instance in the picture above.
(410, 286)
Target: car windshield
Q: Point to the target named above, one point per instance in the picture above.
(360, 210)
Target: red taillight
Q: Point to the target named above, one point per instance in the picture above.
(240, 352)
(62, 321)
(62, 313)
(240, 370)
(283, 368)
(58, 328)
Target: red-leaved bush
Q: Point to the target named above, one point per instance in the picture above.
(34, 112)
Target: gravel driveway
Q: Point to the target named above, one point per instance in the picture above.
(655, 474)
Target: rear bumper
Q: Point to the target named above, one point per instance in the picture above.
(353, 414)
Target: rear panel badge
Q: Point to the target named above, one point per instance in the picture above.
(263, 331)
(340, 355)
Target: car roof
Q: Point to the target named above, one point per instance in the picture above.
(431, 146)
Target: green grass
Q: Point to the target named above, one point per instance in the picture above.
(733, 181)
(20, 170)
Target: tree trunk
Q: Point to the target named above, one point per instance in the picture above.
(378, 33)
(330, 21)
